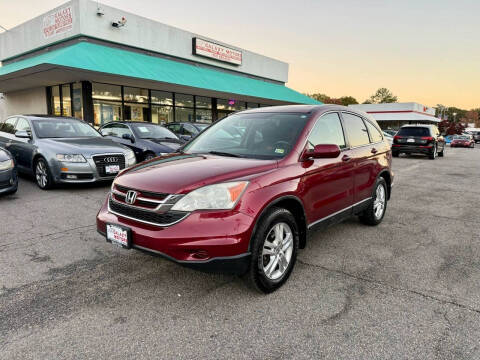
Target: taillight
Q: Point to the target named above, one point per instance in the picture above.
(396, 137)
(428, 138)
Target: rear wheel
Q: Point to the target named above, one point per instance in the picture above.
(274, 250)
(433, 154)
(395, 153)
(42, 174)
(375, 212)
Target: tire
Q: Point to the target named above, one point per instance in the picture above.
(433, 154)
(395, 153)
(371, 216)
(149, 156)
(266, 274)
(42, 174)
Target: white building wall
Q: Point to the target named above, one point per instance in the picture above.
(30, 101)
(3, 110)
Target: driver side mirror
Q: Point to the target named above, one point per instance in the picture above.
(23, 134)
(128, 137)
(324, 151)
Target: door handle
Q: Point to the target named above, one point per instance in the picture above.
(374, 151)
(346, 158)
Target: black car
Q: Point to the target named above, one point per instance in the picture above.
(186, 130)
(147, 140)
(8, 173)
(476, 136)
(419, 139)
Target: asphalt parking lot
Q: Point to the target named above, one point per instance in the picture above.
(408, 288)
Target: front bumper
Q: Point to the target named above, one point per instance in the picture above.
(214, 241)
(75, 173)
(8, 181)
(412, 149)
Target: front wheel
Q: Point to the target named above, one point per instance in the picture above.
(42, 175)
(442, 153)
(274, 250)
(375, 212)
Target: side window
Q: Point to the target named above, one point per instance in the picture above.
(189, 130)
(174, 127)
(375, 135)
(117, 130)
(22, 125)
(356, 130)
(9, 125)
(327, 130)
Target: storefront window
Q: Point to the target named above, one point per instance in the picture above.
(252, 105)
(106, 111)
(183, 114)
(162, 97)
(184, 100)
(106, 92)
(131, 94)
(77, 100)
(66, 100)
(55, 101)
(231, 105)
(136, 112)
(203, 115)
(203, 102)
(162, 114)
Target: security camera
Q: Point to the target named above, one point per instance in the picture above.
(100, 12)
(120, 23)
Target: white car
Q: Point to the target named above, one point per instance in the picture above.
(388, 137)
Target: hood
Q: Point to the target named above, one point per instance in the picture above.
(169, 144)
(85, 146)
(176, 173)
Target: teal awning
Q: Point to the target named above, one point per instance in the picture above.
(109, 60)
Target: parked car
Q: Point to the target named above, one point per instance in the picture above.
(463, 141)
(62, 150)
(245, 204)
(448, 139)
(388, 137)
(419, 139)
(145, 139)
(186, 130)
(476, 136)
(391, 132)
(8, 173)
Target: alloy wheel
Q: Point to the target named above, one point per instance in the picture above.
(41, 174)
(277, 251)
(379, 202)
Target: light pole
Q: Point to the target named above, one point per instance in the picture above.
(454, 116)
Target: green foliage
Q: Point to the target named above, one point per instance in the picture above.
(344, 100)
(383, 95)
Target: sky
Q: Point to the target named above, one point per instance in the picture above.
(427, 51)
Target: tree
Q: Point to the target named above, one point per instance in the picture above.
(320, 97)
(470, 117)
(383, 95)
(344, 100)
(450, 127)
(348, 100)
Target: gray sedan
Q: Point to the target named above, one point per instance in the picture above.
(8, 173)
(62, 150)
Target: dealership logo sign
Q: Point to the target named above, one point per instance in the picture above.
(58, 22)
(214, 51)
(130, 197)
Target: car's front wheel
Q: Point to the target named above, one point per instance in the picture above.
(42, 174)
(274, 250)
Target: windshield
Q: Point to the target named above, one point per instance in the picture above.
(151, 131)
(63, 128)
(255, 135)
(414, 131)
(202, 126)
(461, 137)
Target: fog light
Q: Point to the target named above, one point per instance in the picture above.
(71, 177)
(12, 181)
(200, 254)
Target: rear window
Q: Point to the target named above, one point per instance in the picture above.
(414, 131)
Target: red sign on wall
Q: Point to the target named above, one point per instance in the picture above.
(58, 22)
(217, 52)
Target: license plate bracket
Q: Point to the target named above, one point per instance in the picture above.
(112, 169)
(119, 235)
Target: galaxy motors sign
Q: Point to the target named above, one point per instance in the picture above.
(58, 22)
(215, 51)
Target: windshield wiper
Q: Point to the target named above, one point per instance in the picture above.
(222, 153)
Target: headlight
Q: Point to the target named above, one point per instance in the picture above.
(219, 197)
(72, 158)
(7, 164)
(131, 160)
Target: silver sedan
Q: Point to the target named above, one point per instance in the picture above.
(62, 150)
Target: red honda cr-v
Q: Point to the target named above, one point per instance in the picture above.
(242, 196)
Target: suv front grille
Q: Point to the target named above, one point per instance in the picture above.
(160, 219)
(101, 161)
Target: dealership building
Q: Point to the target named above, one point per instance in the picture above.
(100, 64)
(394, 115)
